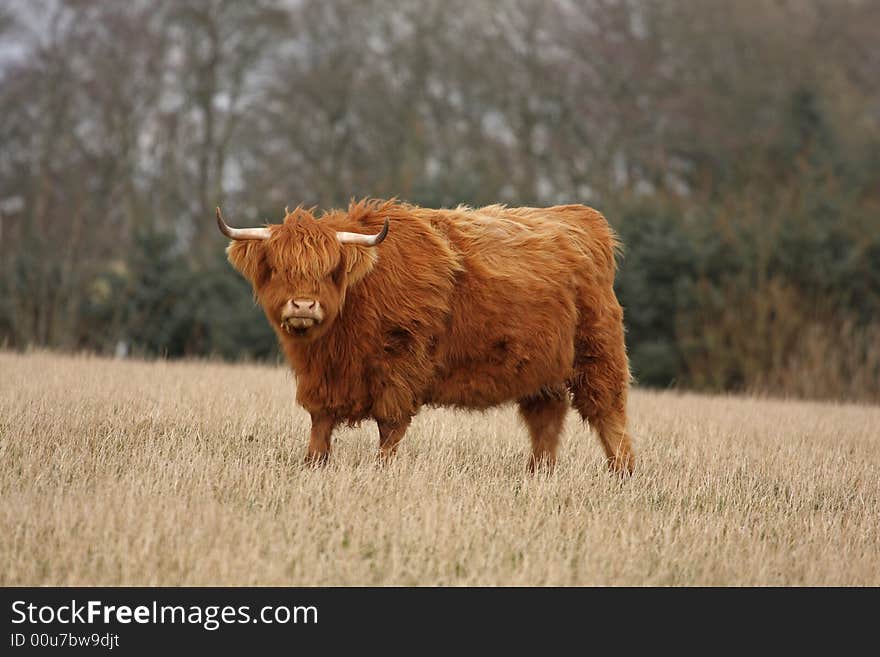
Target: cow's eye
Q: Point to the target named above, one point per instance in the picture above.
(337, 274)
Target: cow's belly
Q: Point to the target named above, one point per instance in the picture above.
(493, 378)
(468, 391)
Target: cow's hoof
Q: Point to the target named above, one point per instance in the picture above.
(622, 464)
(317, 459)
(544, 463)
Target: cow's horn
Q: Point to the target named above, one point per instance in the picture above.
(360, 238)
(241, 233)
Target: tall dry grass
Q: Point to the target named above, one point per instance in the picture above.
(115, 472)
(830, 361)
(772, 341)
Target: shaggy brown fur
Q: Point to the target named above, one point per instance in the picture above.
(466, 307)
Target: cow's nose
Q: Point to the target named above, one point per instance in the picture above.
(304, 304)
(301, 308)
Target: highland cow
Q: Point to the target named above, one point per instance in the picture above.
(387, 307)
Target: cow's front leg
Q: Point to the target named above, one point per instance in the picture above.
(319, 442)
(390, 433)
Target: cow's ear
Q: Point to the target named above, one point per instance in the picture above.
(249, 259)
(357, 261)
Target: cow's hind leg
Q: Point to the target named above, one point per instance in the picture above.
(600, 384)
(544, 414)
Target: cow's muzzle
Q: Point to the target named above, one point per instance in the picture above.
(300, 315)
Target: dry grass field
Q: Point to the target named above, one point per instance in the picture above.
(126, 472)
